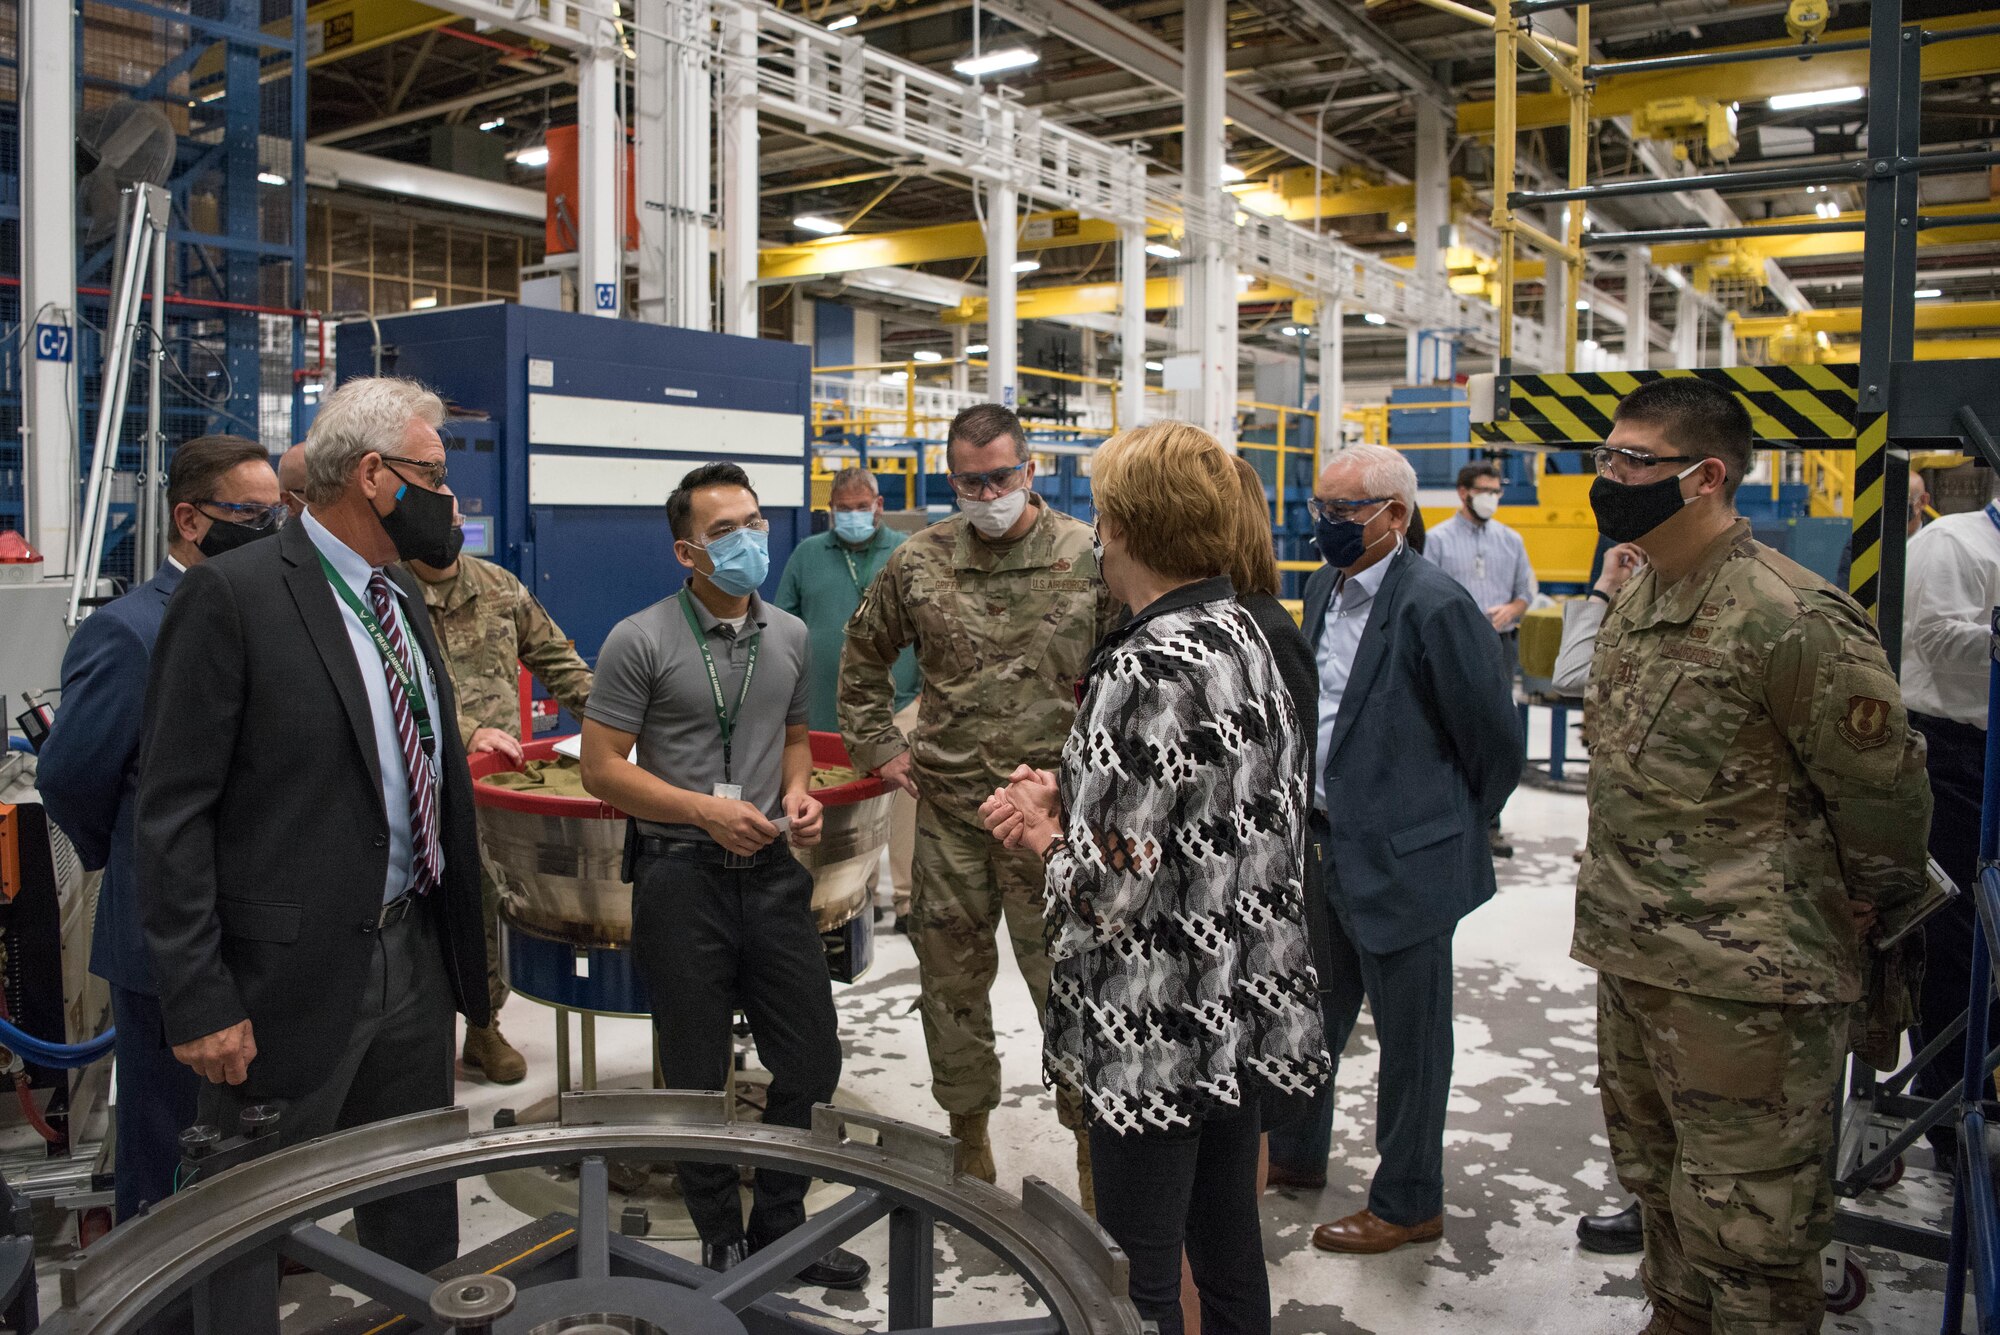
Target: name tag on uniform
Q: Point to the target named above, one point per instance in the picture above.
(1691, 653)
(1046, 584)
(729, 792)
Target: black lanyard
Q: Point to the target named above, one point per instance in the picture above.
(390, 658)
(725, 717)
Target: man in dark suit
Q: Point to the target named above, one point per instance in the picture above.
(221, 493)
(1419, 748)
(305, 814)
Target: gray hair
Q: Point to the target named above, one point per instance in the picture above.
(370, 414)
(847, 479)
(1384, 472)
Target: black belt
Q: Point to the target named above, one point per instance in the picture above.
(705, 851)
(392, 913)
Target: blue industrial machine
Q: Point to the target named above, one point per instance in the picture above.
(569, 431)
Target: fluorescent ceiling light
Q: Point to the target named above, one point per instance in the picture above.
(537, 156)
(1373, 318)
(1244, 282)
(926, 355)
(1824, 98)
(1156, 366)
(1826, 208)
(1163, 250)
(1402, 227)
(493, 124)
(896, 377)
(809, 222)
(1026, 266)
(1923, 292)
(996, 62)
(1232, 172)
(423, 303)
(974, 349)
(1583, 305)
(1589, 343)
(844, 21)
(270, 178)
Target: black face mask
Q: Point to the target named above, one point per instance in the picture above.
(420, 526)
(1628, 511)
(223, 536)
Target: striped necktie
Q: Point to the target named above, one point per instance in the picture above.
(426, 862)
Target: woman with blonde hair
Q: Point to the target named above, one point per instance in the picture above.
(1174, 837)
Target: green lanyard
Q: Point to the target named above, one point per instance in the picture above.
(392, 659)
(725, 718)
(853, 571)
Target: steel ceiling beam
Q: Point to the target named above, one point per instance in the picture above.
(924, 245)
(1377, 50)
(447, 107)
(1090, 26)
(1847, 319)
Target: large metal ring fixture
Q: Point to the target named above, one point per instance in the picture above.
(220, 1243)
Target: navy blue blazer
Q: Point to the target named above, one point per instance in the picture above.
(1425, 751)
(88, 771)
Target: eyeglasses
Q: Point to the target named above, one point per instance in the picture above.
(433, 472)
(1336, 512)
(974, 485)
(758, 525)
(249, 514)
(1613, 460)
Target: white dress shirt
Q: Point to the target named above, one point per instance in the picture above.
(1951, 586)
(354, 569)
(1346, 617)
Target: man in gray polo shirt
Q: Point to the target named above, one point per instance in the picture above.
(711, 686)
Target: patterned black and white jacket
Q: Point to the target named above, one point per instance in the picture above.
(1183, 979)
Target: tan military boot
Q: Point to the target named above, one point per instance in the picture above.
(975, 1151)
(1086, 1184)
(488, 1052)
(1669, 1320)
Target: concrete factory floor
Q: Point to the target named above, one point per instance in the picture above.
(1527, 1151)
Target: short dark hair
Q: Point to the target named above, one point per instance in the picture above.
(981, 424)
(1698, 418)
(201, 463)
(680, 505)
(1471, 473)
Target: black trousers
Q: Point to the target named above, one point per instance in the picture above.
(156, 1102)
(1956, 759)
(399, 1060)
(1161, 1191)
(709, 941)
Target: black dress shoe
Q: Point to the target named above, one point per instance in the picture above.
(1618, 1234)
(838, 1269)
(721, 1256)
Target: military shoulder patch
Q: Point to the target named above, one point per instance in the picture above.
(1865, 724)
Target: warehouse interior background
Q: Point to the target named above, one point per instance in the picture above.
(624, 236)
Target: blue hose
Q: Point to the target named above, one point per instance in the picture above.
(62, 1056)
(16, 742)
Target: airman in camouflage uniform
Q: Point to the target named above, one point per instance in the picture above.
(487, 622)
(1003, 632)
(1758, 806)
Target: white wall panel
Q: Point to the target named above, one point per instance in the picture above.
(621, 424)
(581, 479)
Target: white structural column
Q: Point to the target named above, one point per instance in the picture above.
(1131, 325)
(600, 142)
(1638, 308)
(672, 110)
(1557, 299)
(961, 374)
(739, 181)
(1003, 351)
(48, 279)
(1687, 328)
(1332, 329)
(1209, 301)
(1431, 231)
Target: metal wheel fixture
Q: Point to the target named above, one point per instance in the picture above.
(221, 1242)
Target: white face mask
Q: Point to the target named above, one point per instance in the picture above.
(1485, 504)
(995, 517)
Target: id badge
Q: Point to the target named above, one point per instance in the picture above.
(729, 792)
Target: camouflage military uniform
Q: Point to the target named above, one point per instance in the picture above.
(1751, 772)
(1003, 635)
(487, 622)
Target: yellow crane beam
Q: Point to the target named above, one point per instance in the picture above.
(925, 245)
(1828, 243)
(1847, 319)
(1623, 94)
(335, 30)
(1054, 303)
(1926, 350)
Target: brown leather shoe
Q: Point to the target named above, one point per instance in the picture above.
(1279, 1177)
(1364, 1234)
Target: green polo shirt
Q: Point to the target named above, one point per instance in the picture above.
(822, 586)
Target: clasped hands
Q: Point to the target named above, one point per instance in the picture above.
(1025, 812)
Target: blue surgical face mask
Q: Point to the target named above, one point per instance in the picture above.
(855, 526)
(741, 560)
